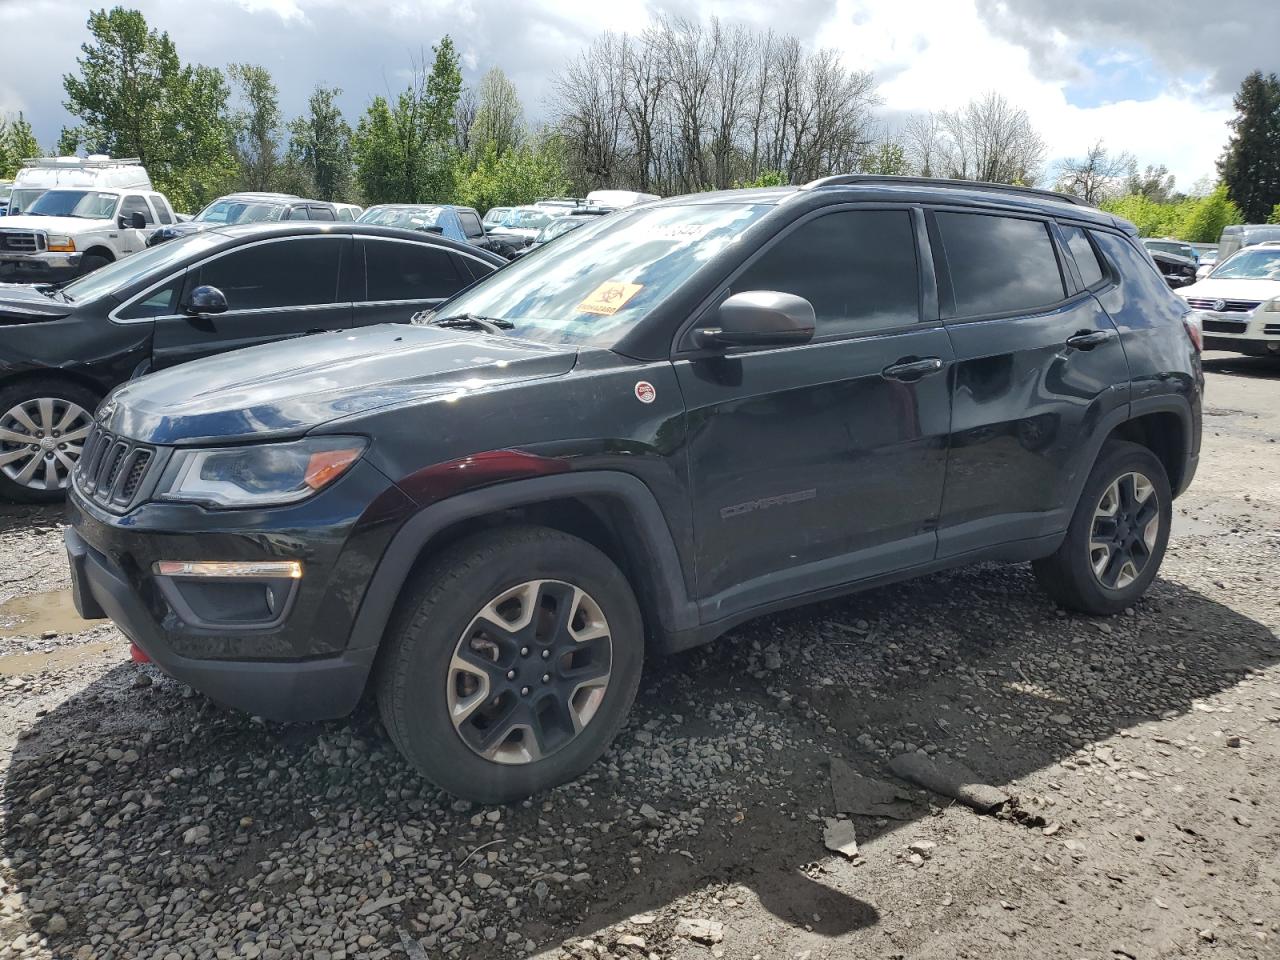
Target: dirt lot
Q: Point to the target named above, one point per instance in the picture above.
(137, 820)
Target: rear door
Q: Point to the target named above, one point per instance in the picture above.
(402, 277)
(1038, 366)
(820, 465)
(275, 289)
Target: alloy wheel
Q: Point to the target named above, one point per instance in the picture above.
(40, 441)
(529, 672)
(1126, 528)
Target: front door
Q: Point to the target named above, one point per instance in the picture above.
(275, 289)
(820, 465)
(1038, 367)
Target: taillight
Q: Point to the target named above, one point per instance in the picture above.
(1195, 333)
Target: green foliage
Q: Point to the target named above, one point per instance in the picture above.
(767, 178)
(135, 98)
(1275, 214)
(318, 163)
(1251, 165)
(1194, 219)
(257, 126)
(404, 151)
(17, 143)
(887, 159)
(520, 175)
(497, 122)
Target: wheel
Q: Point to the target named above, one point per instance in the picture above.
(43, 424)
(511, 663)
(1117, 535)
(91, 262)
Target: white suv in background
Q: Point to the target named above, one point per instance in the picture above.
(1239, 302)
(77, 215)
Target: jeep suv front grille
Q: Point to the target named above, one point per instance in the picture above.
(112, 470)
(20, 241)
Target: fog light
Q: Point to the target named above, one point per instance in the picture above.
(260, 569)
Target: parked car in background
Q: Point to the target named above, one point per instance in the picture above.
(38, 174)
(692, 413)
(6, 187)
(521, 225)
(495, 216)
(1239, 302)
(227, 287)
(250, 207)
(559, 205)
(1240, 235)
(348, 212)
(1177, 271)
(619, 198)
(566, 224)
(1208, 261)
(1178, 248)
(67, 233)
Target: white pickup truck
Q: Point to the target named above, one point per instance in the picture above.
(87, 213)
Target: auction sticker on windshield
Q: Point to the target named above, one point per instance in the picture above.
(608, 298)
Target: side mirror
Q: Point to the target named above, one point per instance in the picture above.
(206, 300)
(433, 229)
(761, 318)
(138, 221)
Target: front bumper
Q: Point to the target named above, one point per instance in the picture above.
(1255, 334)
(42, 266)
(301, 662)
(292, 690)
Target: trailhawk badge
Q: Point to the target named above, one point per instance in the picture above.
(645, 392)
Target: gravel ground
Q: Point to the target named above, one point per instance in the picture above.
(1139, 754)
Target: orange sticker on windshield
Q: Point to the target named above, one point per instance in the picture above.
(608, 298)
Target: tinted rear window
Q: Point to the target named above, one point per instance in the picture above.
(999, 264)
(410, 271)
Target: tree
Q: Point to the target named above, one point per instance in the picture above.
(1204, 219)
(922, 141)
(319, 157)
(1275, 214)
(990, 139)
(135, 98)
(1155, 183)
(17, 143)
(1251, 165)
(257, 126)
(521, 175)
(405, 151)
(1097, 175)
(887, 159)
(498, 115)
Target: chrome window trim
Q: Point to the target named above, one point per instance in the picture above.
(113, 314)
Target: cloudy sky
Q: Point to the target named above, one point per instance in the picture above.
(1154, 77)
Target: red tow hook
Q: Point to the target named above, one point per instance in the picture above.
(137, 654)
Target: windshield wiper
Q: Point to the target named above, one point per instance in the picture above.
(473, 321)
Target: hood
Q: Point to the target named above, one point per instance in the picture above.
(24, 303)
(53, 224)
(182, 228)
(290, 387)
(1225, 289)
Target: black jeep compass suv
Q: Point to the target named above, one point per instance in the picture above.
(680, 417)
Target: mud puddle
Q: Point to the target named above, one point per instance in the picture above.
(38, 613)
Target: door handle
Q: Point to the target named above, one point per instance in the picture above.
(1088, 339)
(908, 370)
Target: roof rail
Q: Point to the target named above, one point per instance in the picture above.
(81, 163)
(842, 179)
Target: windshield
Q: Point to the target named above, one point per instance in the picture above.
(1250, 264)
(410, 218)
(596, 284)
(496, 215)
(526, 219)
(1164, 246)
(21, 200)
(87, 204)
(240, 211)
(153, 260)
(558, 227)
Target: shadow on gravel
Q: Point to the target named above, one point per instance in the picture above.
(1267, 368)
(190, 815)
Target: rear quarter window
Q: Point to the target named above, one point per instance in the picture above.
(1086, 258)
(999, 264)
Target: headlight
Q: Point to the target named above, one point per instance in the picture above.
(60, 243)
(263, 475)
(1272, 305)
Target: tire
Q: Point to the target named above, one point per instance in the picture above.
(430, 669)
(52, 407)
(91, 262)
(1104, 565)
